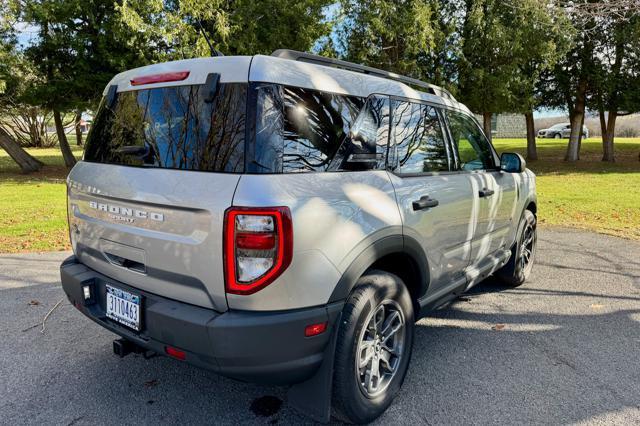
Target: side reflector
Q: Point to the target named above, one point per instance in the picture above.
(160, 78)
(315, 329)
(175, 353)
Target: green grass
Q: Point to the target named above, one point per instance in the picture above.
(34, 210)
(589, 194)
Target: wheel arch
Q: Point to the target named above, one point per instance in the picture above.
(397, 254)
(532, 206)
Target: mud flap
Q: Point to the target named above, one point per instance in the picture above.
(312, 398)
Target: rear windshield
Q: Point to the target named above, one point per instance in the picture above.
(172, 128)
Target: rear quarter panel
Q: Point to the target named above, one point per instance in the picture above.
(335, 216)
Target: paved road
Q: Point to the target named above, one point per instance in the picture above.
(569, 352)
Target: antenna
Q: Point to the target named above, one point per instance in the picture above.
(212, 51)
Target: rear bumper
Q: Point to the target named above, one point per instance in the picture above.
(263, 347)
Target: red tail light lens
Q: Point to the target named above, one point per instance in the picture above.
(258, 246)
(160, 78)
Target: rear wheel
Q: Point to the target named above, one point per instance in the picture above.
(523, 252)
(373, 348)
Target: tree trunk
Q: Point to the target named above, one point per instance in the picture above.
(573, 148)
(532, 151)
(67, 155)
(580, 134)
(608, 137)
(26, 162)
(603, 122)
(77, 121)
(486, 124)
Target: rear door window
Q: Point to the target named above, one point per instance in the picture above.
(418, 142)
(173, 128)
(300, 130)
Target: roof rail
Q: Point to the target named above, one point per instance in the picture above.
(337, 63)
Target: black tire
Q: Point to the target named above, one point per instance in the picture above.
(557, 136)
(517, 271)
(350, 400)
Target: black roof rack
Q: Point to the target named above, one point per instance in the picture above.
(337, 63)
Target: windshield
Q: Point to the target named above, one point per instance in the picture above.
(173, 128)
(559, 126)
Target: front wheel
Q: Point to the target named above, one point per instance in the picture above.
(373, 347)
(557, 136)
(523, 252)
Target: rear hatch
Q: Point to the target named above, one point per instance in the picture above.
(161, 164)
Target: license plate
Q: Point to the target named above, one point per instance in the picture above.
(123, 307)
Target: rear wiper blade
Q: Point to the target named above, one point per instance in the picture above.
(132, 150)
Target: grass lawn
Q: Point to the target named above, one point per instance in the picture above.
(589, 194)
(34, 209)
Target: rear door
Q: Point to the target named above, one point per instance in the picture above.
(493, 192)
(436, 205)
(161, 164)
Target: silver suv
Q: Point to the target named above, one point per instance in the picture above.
(286, 219)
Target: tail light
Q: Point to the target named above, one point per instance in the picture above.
(258, 246)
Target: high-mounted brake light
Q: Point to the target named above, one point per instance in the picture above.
(258, 247)
(160, 78)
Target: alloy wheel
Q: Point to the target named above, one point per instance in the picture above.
(528, 246)
(380, 348)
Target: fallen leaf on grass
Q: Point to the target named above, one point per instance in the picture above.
(33, 303)
(498, 327)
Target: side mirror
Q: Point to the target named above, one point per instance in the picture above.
(512, 163)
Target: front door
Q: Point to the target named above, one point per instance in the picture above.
(493, 192)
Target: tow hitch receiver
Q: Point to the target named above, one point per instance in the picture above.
(123, 347)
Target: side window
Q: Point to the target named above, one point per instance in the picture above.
(474, 150)
(366, 146)
(300, 130)
(419, 145)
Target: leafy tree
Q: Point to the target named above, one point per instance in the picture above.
(10, 84)
(438, 64)
(536, 55)
(80, 46)
(488, 66)
(616, 87)
(387, 34)
(234, 27)
(599, 67)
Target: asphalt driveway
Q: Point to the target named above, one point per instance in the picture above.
(564, 348)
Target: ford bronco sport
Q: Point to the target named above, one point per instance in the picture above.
(286, 219)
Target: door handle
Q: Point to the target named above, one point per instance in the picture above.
(424, 203)
(486, 192)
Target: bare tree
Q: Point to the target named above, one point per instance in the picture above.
(27, 124)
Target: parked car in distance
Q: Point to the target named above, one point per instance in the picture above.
(287, 219)
(560, 131)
